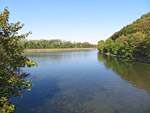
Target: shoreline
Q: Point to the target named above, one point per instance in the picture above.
(56, 50)
(128, 58)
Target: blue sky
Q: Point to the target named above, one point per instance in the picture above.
(74, 20)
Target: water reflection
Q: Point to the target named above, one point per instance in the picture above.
(86, 82)
(135, 73)
(58, 56)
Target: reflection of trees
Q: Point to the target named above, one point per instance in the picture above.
(134, 72)
(57, 57)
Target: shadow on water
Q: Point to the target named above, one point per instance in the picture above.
(136, 73)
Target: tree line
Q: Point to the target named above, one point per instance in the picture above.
(55, 43)
(132, 41)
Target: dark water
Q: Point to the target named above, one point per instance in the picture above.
(86, 82)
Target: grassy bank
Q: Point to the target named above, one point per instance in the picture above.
(56, 50)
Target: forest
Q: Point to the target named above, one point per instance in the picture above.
(132, 41)
(54, 43)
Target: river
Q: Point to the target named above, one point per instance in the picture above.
(86, 82)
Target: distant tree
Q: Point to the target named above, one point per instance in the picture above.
(86, 45)
(68, 44)
(79, 45)
(55, 43)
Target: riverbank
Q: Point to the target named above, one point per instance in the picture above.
(129, 58)
(56, 50)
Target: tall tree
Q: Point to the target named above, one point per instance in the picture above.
(12, 79)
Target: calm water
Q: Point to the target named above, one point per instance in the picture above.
(86, 82)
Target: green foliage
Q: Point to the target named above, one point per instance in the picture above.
(131, 41)
(55, 43)
(101, 45)
(116, 49)
(143, 49)
(145, 15)
(12, 80)
(109, 43)
(140, 25)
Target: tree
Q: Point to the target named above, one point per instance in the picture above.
(131, 41)
(117, 46)
(12, 79)
(143, 48)
(79, 45)
(109, 44)
(101, 45)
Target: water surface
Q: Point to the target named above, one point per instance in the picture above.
(86, 82)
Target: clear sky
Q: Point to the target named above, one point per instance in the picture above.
(74, 20)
